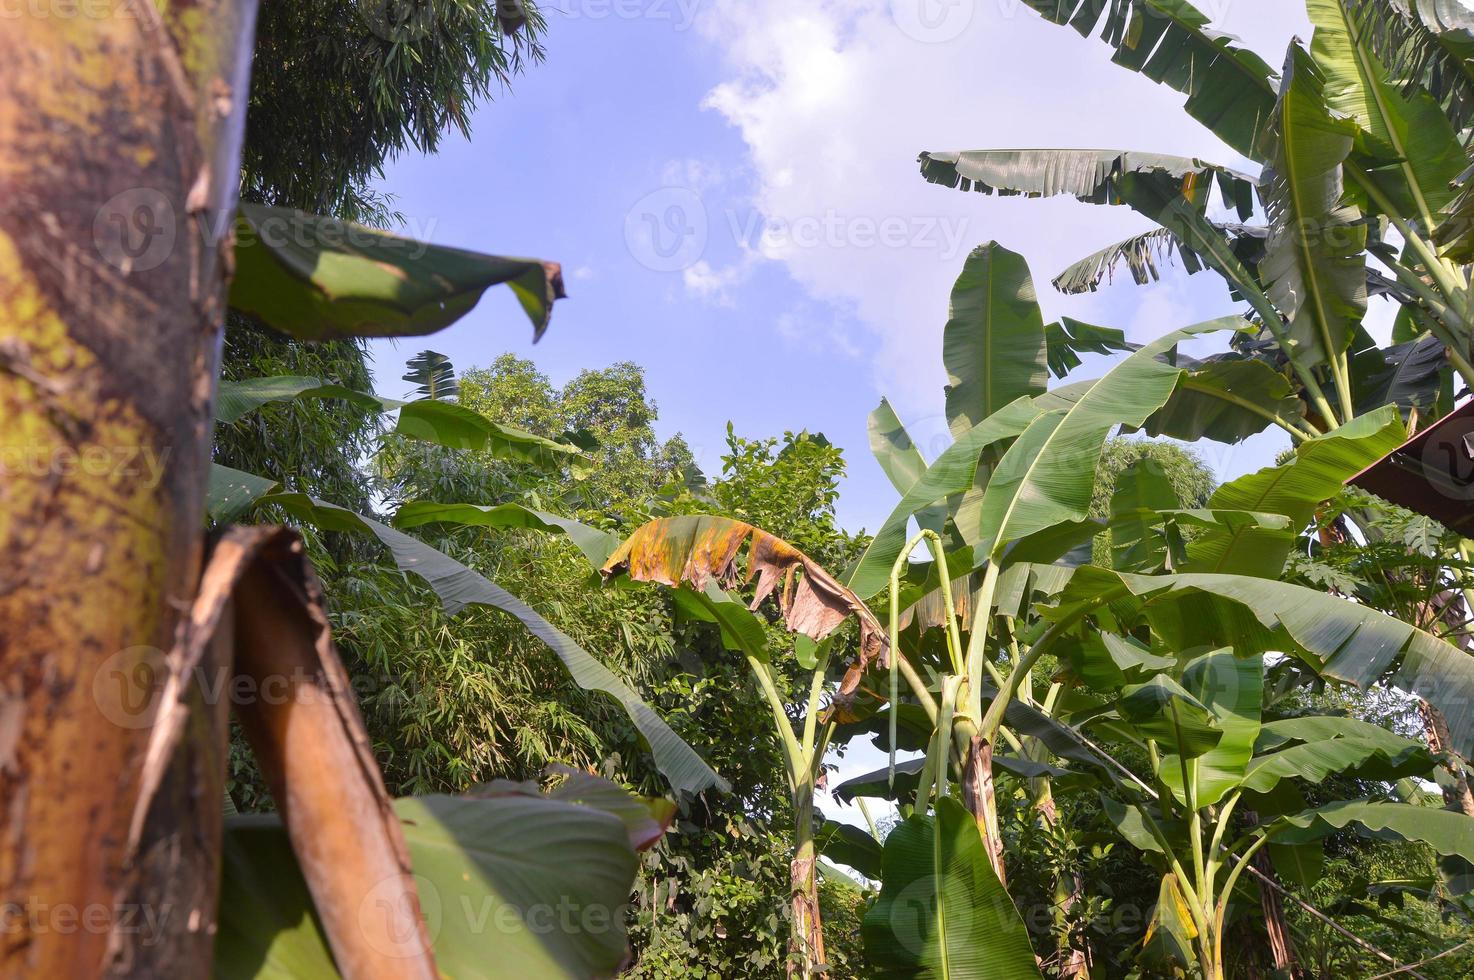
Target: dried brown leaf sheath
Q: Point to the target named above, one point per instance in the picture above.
(699, 549)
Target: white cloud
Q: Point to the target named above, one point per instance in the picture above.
(835, 98)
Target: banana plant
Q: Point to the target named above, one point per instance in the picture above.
(697, 555)
(1014, 490)
(1360, 140)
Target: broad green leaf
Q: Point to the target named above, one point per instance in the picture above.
(596, 545)
(1299, 864)
(1314, 269)
(320, 278)
(1413, 128)
(902, 461)
(1229, 89)
(236, 399)
(1426, 45)
(1320, 468)
(1314, 761)
(1316, 728)
(459, 587)
(1067, 339)
(1408, 375)
(1130, 823)
(1447, 832)
(1226, 398)
(740, 627)
(1048, 474)
(1105, 661)
(1143, 490)
(1232, 688)
(457, 427)
(951, 473)
(1164, 710)
(993, 344)
(942, 912)
(847, 844)
(1340, 640)
(494, 876)
(1092, 176)
(232, 492)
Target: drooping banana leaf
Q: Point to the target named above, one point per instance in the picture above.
(1338, 639)
(1229, 89)
(1048, 474)
(699, 550)
(1427, 45)
(233, 492)
(1409, 375)
(459, 587)
(320, 278)
(1314, 268)
(1140, 253)
(847, 844)
(1314, 761)
(1320, 467)
(1160, 708)
(236, 399)
(501, 866)
(444, 423)
(1227, 398)
(942, 912)
(1447, 832)
(595, 544)
(993, 345)
(1092, 176)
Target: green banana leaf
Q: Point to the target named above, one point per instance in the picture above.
(1410, 129)
(494, 876)
(1229, 89)
(596, 545)
(1226, 398)
(951, 473)
(942, 912)
(993, 345)
(1232, 689)
(1092, 176)
(1320, 468)
(1314, 269)
(1048, 474)
(902, 461)
(320, 278)
(459, 587)
(1447, 832)
(1162, 709)
(1067, 339)
(1338, 639)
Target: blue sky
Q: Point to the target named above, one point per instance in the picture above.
(732, 191)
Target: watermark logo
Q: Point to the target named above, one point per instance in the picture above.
(135, 230)
(933, 21)
(666, 230)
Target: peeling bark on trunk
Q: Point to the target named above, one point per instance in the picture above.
(310, 741)
(1068, 892)
(806, 956)
(1457, 794)
(120, 139)
(979, 797)
(1281, 944)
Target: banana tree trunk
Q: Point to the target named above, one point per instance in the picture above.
(1456, 791)
(1069, 891)
(1281, 944)
(980, 798)
(806, 940)
(119, 154)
